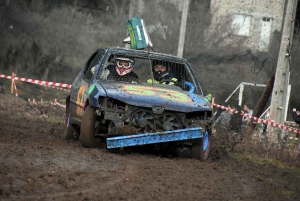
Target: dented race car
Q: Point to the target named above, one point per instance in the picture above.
(125, 97)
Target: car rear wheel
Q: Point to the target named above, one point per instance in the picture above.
(201, 147)
(87, 129)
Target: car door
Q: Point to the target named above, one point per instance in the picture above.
(80, 86)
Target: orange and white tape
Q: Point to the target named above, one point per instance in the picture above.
(57, 88)
(40, 82)
(225, 108)
(269, 122)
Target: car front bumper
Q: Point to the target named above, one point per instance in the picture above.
(153, 138)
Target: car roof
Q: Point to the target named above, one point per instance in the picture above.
(143, 53)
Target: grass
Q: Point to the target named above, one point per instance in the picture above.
(265, 161)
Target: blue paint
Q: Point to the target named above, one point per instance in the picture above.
(68, 122)
(190, 85)
(205, 141)
(153, 138)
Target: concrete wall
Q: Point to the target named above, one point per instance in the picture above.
(250, 23)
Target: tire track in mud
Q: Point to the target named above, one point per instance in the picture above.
(37, 164)
(68, 159)
(119, 171)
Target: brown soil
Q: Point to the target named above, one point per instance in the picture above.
(36, 163)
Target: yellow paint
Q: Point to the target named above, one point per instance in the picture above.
(154, 91)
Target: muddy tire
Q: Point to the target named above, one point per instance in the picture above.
(201, 147)
(87, 129)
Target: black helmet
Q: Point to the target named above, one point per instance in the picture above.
(162, 71)
(158, 62)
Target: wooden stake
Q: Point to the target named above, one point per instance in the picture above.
(12, 83)
(262, 102)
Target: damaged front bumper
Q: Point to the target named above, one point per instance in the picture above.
(153, 138)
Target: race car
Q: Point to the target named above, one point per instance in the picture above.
(125, 97)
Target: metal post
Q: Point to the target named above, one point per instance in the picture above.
(241, 94)
(232, 93)
(183, 27)
(241, 86)
(287, 100)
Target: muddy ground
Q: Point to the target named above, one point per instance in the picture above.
(36, 163)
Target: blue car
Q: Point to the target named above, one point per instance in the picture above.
(125, 97)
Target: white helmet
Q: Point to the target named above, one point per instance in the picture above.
(124, 65)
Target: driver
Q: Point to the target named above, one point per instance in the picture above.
(123, 70)
(161, 75)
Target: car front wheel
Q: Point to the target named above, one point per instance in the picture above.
(201, 147)
(87, 129)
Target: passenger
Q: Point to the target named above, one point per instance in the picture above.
(160, 74)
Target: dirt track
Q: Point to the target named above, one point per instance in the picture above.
(37, 164)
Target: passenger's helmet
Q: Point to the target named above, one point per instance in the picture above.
(160, 74)
(124, 65)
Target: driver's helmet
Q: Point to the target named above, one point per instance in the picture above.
(124, 65)
(160, 70)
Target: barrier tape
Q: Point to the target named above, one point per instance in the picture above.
(57, 88)
(40, 82)
(225, 108)
(268, 122)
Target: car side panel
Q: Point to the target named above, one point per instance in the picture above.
(77, 99)
(95, 91)
(80, 87)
